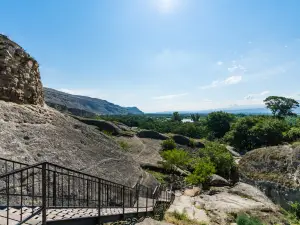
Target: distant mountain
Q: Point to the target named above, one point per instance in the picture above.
(253, 110)
(85, 106)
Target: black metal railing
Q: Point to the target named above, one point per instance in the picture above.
(27, 191)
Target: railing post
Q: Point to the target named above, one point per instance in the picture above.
(137, 199)
(147, 202)
(54, 188)
(123, 200)
(99, 201)
(87, 193)
(44, 196)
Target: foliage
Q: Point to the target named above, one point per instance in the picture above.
(175, 157)
(295, 209)
(124, 145)
(168, 144)
(176, 117)
(192, 143)
(293, 134)
(218, 123)
(247, 220)
(281, 106)
(203, 169)
(108, 133)
(256, 131)
(160, 177)
(219, 156)
(195, 117)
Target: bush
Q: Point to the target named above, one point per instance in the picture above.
(293, 134)
(175, 157)
(247, 220)
(295, 209)
(168, 144)
(220, 157)
(124, 145)
(203, 169)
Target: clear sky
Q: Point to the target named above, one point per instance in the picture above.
(162, 55)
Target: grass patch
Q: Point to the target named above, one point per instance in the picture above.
(160, 177)
(291, 217)
(247, 220)
(177, 218)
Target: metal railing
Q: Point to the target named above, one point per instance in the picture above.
(39, 188)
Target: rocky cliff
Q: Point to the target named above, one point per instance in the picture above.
(33, 132)
(275, 170)
(83, 105)
(19, 75)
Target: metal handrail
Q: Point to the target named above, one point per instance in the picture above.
(50, 186)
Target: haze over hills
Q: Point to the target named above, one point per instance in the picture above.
(248, 109)
(88, 106)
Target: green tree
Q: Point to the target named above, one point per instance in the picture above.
(203, 169)
(218, 123)
(175, 157)
(256, 131)
(176, 116)
(195, 117)
(281, 106)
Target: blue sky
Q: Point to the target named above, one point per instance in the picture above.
(162, 55)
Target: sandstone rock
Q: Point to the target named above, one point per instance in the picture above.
(149, 221)
(20, 80)
(34, 134)
(151, 134)
(185, 205)
(218, 208)
(180, 139)
(231, 150)
(103, 125)
(275, 170)
(192, 192)
(218, 181)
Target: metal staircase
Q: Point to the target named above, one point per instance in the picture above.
(46, 193)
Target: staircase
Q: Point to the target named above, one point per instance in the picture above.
(46, 193)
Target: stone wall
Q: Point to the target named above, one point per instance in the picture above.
(20, 80)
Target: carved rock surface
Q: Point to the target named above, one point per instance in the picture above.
(20, 80)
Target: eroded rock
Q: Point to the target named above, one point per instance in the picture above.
(20, 80)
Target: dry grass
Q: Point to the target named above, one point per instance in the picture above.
(181, 219)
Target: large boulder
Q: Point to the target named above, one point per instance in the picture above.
(192, 192)
(219, 208)
(150, 221)
(151, 134)
(180, 139)
(218, 181)
(20, 80)
(275, 170)
(103, 125)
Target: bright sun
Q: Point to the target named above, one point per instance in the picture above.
(166, 6)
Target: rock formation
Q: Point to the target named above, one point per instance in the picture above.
(31, 132)
(20, 80)
(275, 170)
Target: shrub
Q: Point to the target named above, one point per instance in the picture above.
(124, 145)
(203, 169)
(177, 218)
(192, 143)
(295, 209)
(168, 144)
(160, 177)
(220, 157)
(293, 134)
(247, 220)
(175, 157)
